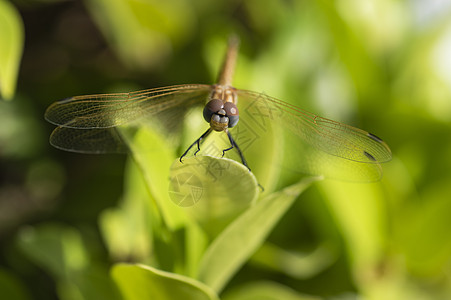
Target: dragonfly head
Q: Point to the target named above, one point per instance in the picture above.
(221, 115)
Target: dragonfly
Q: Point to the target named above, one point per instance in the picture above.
(87, 124)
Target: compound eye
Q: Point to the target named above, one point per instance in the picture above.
(212, 107)
(231, 112)
(224, 120)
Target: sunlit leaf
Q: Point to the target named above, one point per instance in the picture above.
(138, 282)
(154, 156)
(213, 190)
(11, 41)
(195, 244)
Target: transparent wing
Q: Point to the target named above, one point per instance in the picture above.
(94, 141)
(110, 110)
(86, 124)
(327, 135)
(305, 143)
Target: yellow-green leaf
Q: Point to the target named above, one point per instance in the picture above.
(11, 41)
(138, 282)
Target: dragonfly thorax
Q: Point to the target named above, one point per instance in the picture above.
(224, 93)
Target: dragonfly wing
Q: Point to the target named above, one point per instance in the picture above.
(327, 135)
(311, 144)
(110, 110)
(95, 141)
(87, 124)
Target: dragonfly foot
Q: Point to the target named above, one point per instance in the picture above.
(224, 151)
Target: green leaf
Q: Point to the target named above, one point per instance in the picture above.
(11, 41)
(213, 190)
(143, 282)
(154, 156)
(245, 235)
(217, 179)
(196, 242)
(265, 290)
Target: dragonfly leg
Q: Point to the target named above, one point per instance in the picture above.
(198, 141)
(225, 150)
(235, 145)
(243, 160)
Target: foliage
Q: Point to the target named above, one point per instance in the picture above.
(105, 227)
(11, 34)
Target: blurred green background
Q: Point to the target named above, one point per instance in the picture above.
(384, 66)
